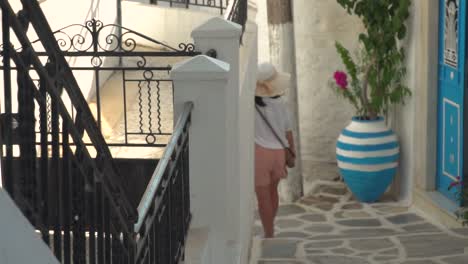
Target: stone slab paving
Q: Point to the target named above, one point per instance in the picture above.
(330, 227)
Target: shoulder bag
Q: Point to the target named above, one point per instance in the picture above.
(290, 157)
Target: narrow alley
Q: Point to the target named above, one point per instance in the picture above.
(329, 226)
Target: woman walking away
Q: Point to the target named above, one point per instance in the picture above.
(274, 144)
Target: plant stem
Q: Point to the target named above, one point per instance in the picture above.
(364, 99)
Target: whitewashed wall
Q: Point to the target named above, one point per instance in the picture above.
(164, 24)
(208, 9)
(248, 78)
(263, 39)
(405, 115)
(321, 115)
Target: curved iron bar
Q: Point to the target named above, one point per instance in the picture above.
(94, 28)
(157, 178)
(80, 38)
(150, 119)
(140, 106)
(141, 63)
(158, 99)
(149, 39)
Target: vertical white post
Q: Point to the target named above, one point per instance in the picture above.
(202, 80)
(224, 37)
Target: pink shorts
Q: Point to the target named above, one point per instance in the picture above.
(270, 165)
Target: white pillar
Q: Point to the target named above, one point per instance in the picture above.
(202, 80)
(224, 37)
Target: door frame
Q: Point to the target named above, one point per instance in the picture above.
(464, 118)
(425, 16)
(453, 98)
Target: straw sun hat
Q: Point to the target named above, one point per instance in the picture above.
(270, 82)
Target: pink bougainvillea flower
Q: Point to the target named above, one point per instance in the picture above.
(455, 183)
(341, 79)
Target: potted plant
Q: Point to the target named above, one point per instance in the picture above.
(367, 150)
(462, 196)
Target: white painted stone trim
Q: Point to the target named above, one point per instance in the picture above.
(217, 27)
(19, 242)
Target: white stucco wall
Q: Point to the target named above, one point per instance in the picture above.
(207, 8)
(248, 60)
(404, 115)
(321, 114)
(263, 39)
(163, 24)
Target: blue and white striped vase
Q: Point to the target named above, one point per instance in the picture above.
(367, 152)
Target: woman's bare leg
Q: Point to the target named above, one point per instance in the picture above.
(265, 209)
(274, 197)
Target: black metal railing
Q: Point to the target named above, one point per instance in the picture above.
(140, 113)
(238, 13)
(218, 4)
(64, 187)
(164, 209)
(58, 167)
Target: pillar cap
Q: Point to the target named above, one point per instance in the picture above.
(201, 68)
(217, 27)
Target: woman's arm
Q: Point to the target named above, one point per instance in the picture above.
(289, 136)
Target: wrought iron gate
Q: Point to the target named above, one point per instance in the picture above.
(97, 48)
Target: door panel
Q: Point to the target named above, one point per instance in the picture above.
(451, 94)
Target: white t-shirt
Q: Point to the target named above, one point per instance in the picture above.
(277, 115)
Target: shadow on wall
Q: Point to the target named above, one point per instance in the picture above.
(79, 38)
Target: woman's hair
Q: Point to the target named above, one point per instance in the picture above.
(259, 100)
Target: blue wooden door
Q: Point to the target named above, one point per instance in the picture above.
(451, 93)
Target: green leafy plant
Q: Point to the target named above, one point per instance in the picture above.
(461, 195)
(377, 72)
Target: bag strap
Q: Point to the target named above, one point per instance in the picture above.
(272, 130)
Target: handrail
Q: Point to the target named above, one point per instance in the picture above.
(156, 178)
(238, 14)
(231, 10)
(217, 4)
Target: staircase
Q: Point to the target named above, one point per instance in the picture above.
(59, 171)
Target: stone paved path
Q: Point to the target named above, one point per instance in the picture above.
(330, 227)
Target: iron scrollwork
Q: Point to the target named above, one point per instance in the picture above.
(98, 42)
(95, 36)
